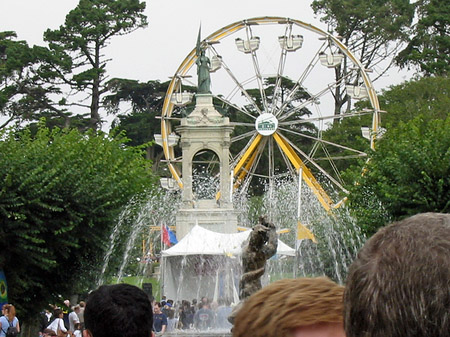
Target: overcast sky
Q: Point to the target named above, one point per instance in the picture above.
(156, 51)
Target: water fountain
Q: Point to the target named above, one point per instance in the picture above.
(218, 206)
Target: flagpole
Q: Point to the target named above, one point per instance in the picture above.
(299, 207)
(162, 268)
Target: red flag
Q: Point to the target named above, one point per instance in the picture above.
(165, 236)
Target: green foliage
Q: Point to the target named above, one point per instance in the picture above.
(429, 47)
(408, 174)
(371, 30)
(25, 87)
(78, 45)
(141, 124)
(429, 96)
(60, 194)
(374, 20)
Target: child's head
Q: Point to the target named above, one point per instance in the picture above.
(77, 326)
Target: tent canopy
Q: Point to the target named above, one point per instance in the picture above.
(201, 241)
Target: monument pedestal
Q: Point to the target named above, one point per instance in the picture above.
(205, 129)
(209, 216)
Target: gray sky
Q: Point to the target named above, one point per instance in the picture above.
(156, 51)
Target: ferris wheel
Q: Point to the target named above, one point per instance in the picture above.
(274, 78)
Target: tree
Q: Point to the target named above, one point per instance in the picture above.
(141, 124)
(429, 48)
(60, 195)
(367, 28)
(408, 174)
(427, 96)
(78, 59)
(26, 90)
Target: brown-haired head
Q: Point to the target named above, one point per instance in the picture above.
(279, 308)
(399, 284)
(10, 311)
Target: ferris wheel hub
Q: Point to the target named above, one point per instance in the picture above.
(266, 124)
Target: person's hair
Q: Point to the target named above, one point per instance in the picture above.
(49, 332)
(57, 312)
(158, 304)
(119, 310)
(82, 304)
(399, 284)
(10, 311)
(281, 307)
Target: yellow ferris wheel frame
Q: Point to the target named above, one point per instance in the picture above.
(248, 156)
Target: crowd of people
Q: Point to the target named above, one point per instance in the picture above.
(65, 320)
(200, 315)
(399, 285)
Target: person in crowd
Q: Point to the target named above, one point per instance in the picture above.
(204, 318)
(303, 307)
(172, 321)
(167, 307)
(222, 313)
(82, 304)
(399, 284)
(48, 333)
(8, 319)
(66, 310)
(186, 315)
(73, 317)
(46, 318)
(119, 310)
(58, 325)
(159, 319)
(77, 332)
(194, 305)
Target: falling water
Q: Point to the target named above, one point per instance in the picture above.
(338, 238)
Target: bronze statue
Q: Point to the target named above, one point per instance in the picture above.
(203, 64)
(260, 246)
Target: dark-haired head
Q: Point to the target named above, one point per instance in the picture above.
(119, 310)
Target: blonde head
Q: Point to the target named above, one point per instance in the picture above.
(281, 307)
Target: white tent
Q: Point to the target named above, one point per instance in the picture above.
(204, 261)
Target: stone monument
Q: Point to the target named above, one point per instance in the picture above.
(205, 129)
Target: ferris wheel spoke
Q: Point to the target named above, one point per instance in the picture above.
(280, 72)
(244, 155)
(286, 160)
(243, 136)
(311, 100)
(323, 141)
(238, 108)
(257, 69)
(248, 170)
(240, 87)
(299, 84)
(330, 117)
(313, 162)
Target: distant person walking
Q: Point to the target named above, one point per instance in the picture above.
(8, 319)
(58, 324)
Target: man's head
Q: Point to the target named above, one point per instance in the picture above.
(157, 308)
(119, 310)
(399, 285)
(292, 306)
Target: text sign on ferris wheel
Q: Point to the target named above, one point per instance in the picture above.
(266, 124)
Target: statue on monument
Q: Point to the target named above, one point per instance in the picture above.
(261, 245)
(203, 64)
